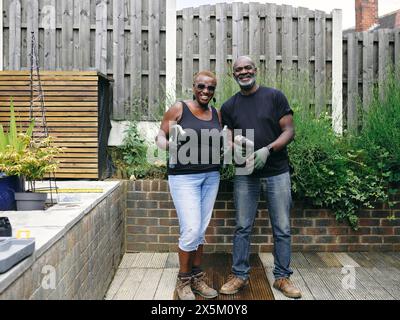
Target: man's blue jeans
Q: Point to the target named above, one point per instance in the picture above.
(279, 201)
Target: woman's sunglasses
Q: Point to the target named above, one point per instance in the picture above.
(201, 87)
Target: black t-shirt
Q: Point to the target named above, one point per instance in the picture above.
(262, 112)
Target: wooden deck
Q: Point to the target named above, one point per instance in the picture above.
(320, 276)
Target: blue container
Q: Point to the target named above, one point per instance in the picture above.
(8, 186)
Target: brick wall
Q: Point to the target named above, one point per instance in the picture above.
(152, 225)
(366, 14)
(85, 258)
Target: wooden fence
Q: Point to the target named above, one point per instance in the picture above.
(366, 56)
(124, 39)
(281, 39)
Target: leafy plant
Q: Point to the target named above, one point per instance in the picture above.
(24, 156)
(18, 140)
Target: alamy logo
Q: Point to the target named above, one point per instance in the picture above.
(349, 280)
(49, 279)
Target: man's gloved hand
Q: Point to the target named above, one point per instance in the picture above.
(241, 145)
(259, 158)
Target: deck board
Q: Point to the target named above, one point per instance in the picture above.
(153, 276)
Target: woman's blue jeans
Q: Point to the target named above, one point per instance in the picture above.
(194, 197)
(279, 200)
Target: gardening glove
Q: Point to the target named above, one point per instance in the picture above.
(258, 158)
(241, 144)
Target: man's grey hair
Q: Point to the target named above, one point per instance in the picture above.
(249, 59)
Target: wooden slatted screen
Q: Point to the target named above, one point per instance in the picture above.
(72, 115)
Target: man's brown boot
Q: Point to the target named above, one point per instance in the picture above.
(286, 286)
(200, 286)
(233, 285)
(183, 288)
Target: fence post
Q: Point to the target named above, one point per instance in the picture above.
(337, 72)
(171, 52)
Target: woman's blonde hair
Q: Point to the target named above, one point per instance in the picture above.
(205, 73)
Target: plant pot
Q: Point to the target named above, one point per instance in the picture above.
(30, 201)
(8, 187)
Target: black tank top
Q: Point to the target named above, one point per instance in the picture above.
(211, 143)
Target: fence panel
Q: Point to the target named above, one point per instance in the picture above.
(124, 39)
(282, 40)
(369, 56)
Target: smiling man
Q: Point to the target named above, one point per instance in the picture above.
(266, 111)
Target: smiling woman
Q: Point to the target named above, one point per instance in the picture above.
(194, 179)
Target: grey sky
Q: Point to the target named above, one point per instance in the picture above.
(385, 6)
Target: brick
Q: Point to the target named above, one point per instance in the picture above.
(155, 185)
(136, 213)
(136, 195)
(302, 222)
(391, 239)
(296, 213)
(261, 222)
(148, 221)
(338, 231)
(158, 247)
(369, 222)
(325, 239)
(382, 231)
(297, 231)
(166, 205)
(381, 247)
(397, 231)
(390, 223)
(371, 239)
(230, 205)
(230, 222)
(169, 239)
(336, 247)
(136, 247)
(315, 231)
(325, 222)
(147, 204)
(146, 185)
(360, 231)
(218, 222)
(266, 247)
(158, 213)
(224, 214)
(168, 222)
(224, 230)
(210, 230)
(222, 248)
(364, 214)
(266, 230)
(318, 213)
(260, 239)
(302, 239)
(172, 213)
(159, 196)
(349, 239)
(163, 185)
(220, 205)
(174, 230)
(215, 239)
(158, 230)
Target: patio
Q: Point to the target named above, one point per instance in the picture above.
(152, 276)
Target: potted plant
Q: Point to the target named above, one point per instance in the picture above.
(28, 158)
(17, 141)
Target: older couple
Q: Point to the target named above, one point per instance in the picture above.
(256, 116)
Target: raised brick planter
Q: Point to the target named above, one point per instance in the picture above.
(152, 225)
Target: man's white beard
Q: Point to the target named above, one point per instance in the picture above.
(246, 85)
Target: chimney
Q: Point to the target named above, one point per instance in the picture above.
(366, 14)
(397, 22)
